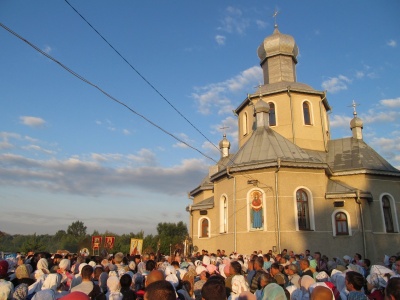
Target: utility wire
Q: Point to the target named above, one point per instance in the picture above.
(148, 82)
(104, 92)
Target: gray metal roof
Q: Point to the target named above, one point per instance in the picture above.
(337, 189)
(205, 204)
(350, 154)
(266, 145)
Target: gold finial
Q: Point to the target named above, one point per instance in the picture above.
(354, 105)
(276, 12)
(223, 128)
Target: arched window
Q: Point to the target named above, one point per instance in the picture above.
(306, 113)
(387, 214)
(204, 233)
(341, 224)
(223, 215)
(303, 215)
(244, 123)
(272, 116)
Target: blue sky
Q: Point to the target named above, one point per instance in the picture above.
(67, 152)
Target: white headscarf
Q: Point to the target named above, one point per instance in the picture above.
(51, 282)
(170, 274)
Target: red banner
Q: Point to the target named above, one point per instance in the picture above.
(109, 242)
(96, 242)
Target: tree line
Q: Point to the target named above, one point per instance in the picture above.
(169, 235)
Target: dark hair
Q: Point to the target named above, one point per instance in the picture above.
(305, 261)
(359, 255)
(214, 289)
(237, 267)
(367, 262)
(175, 263)
(356, 279)
(393, 288)
(267, 277)
(267, 256)
(161, 289)
(125, 280)
(275, 266)
(259, 261)
(87, 272)
(150, 265)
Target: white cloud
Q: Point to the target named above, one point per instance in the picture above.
(216, 96)
(220, 39)
(32, 121)
(340, 121)
(184, 137)
(75, 176)
(261, 24)
(392, 43)
(233, 21)
(392, 103)
(360, 74)
(126, 132)
(47, 49)
(37, 149)
(374, 116)
(336, 84)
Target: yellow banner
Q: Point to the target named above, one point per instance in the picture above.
(136, 247)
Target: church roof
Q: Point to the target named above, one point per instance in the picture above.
(267, 146)
(336, 189)
(348, 155)
(203, 205)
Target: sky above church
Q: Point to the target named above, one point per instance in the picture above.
(69, 152)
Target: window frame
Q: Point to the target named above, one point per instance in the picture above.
(309, 108)
(334, 223)
(311, 214)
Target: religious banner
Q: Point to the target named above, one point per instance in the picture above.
(109, 242)
(136, 247)
(96, 242)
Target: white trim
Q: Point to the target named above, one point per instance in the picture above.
(311, 110)
(334, 222)
(264, 203)
(223, 228)
(199, 228)
(393, 211)
(310, 207)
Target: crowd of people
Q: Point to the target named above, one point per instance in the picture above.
(208, 276)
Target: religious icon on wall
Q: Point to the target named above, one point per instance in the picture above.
(256, 210)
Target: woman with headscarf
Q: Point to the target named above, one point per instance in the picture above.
(170, 276)
(20, 292)
(66, 276)
(114, 287)
(239, 283)
(273, 291)
(42, 269)
(22, 275)
(305, 282)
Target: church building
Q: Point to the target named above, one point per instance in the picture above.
(290, 185)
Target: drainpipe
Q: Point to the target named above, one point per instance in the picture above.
(234, 211)
(278, 161)
(358, 201)
(291, 113)
(322, 123)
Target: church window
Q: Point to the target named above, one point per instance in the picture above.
(306, 113)
(387, 214)
(244, 123)
(303, 216)
(272, 115)
(223, 214)
(204, 228)
(341, 224)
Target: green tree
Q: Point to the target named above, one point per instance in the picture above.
(33, 243)
(77, 229)
(171, 236)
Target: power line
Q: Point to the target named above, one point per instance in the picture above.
(102, 91)
(137, 72)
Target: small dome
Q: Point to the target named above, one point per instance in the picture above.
(356, 122)
(261, 106)
(224, 143)
(278, 43)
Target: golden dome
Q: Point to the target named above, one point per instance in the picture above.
(278, 43)
(224, 143)
(261, 106)
(356, 122)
